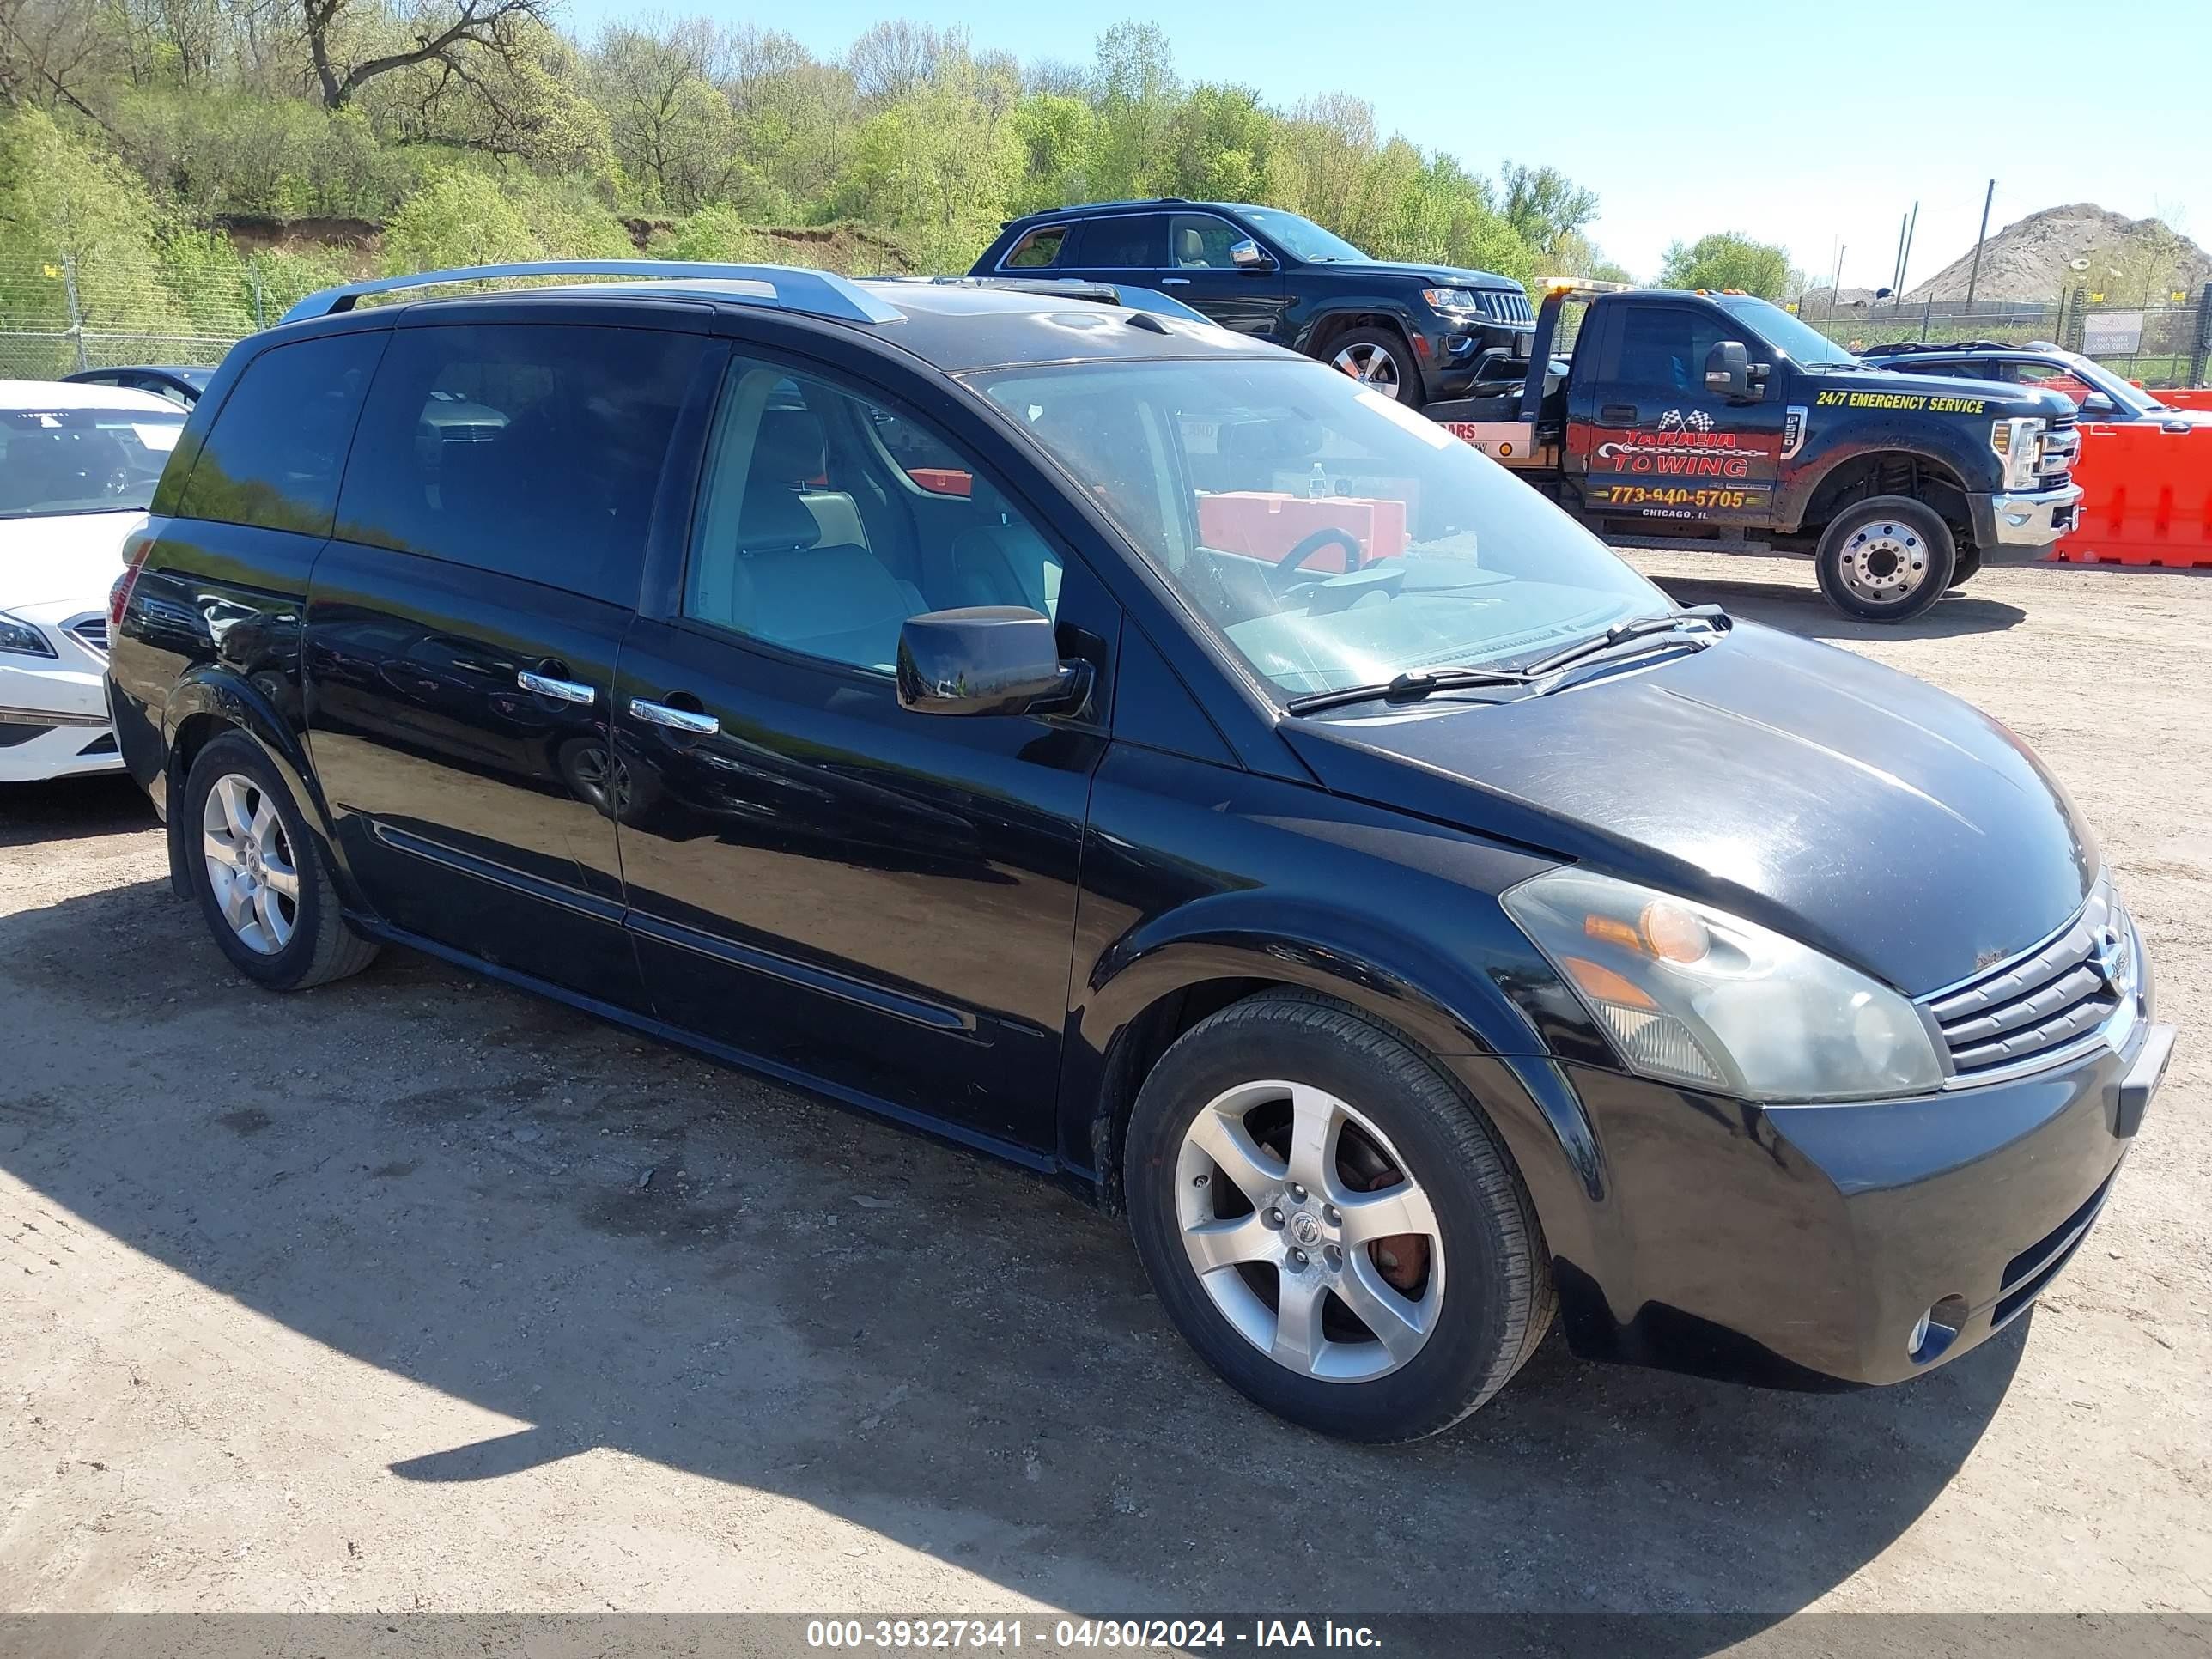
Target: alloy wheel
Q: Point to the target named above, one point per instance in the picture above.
(249, 863)
(1370, 365)
(1308, 1232)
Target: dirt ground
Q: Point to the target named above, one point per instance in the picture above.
(415, 1293)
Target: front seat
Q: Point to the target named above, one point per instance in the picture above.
(786, 588)
(789, 448)
(1190, 248)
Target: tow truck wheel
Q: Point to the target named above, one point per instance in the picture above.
(1379, 359)
(1886, 559)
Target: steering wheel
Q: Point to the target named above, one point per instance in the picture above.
(1280, 579)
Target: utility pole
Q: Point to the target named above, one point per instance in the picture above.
(1974, 277)
(1897, 265)
(1905, 265)
(1836, 281)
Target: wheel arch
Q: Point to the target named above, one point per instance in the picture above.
(205, 705)
(1142, 999)
(1327, 328)
(1924, 473)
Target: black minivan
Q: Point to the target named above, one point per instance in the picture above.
(1135, 750)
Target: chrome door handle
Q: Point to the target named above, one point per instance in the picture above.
(546, 686)
(1175, 282)
(675, 720)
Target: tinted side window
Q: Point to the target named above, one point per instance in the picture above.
(1198, 241)
(1126, 241)
(1666, 345)
(278, 445)
(530, 450)
(1037, 251)
(826, 520)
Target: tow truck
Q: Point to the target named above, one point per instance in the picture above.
(1718, 420)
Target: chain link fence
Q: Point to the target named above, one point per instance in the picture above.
(2165, 342)
(58, 315)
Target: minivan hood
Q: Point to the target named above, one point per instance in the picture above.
(69, 557)
(1854, 807)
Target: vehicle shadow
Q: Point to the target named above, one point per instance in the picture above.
(71, 809)
(619, 1246)
(1801, 610)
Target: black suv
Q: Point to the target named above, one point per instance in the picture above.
(2099, 393)
(1415, 331)
(955, 701)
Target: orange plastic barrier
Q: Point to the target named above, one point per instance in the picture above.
(2147, 497)
(1265, 524)
(2184, 397)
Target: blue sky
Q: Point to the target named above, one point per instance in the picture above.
(1800, 123)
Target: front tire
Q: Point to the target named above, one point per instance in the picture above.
(259, 874)
(1330, 1223)
(1886, 559)
(1379, 359)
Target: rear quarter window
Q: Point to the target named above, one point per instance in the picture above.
(275, 452)
(526, 450)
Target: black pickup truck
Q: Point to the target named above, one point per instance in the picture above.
(1720, 420)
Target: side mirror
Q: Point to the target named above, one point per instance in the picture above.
(987, 659)
(1727, 372)
(1247, 255)
(2097, 403)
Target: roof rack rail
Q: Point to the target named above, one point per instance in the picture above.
(815, 293)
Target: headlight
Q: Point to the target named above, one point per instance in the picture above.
(22, 639)
(1449, 299)
(1691, 994)
(2019, 441)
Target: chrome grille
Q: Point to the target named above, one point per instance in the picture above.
(2039, 1007)
(92, 632)
(1505, 305)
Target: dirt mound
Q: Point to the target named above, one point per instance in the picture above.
(2033, 260)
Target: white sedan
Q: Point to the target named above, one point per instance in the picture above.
(78, 465)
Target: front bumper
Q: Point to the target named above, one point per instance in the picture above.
(2027, 519)
(1800, 1246)
(53, 710)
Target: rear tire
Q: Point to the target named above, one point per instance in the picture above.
(1886, 559)
(1967, 565)
(1381, 360)
(259, 873)
(1288, 1124)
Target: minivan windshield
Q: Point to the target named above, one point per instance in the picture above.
(1798, 340)
(74, 460)
(1302, 239)
(1333, 537)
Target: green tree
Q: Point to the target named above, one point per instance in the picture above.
(1058, 136)
(1219, 144)
(1728, 259)
(1543, 205)
(1135, 87)
(716, 234)
(458, 219)
(67, 210)
(939, 167)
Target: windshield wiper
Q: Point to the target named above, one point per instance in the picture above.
(1406, 688)
(1620, 634)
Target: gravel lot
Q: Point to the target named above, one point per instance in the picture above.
(363, 1299)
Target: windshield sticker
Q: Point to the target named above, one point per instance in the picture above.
(1793, 430)
(162, 437)
(1915, 401)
